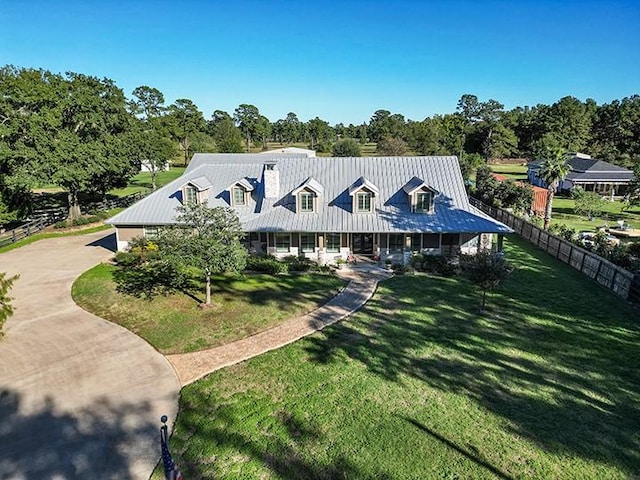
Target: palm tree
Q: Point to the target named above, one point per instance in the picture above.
(552, 171)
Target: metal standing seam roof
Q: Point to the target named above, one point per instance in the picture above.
(591, 170)
(392, 210)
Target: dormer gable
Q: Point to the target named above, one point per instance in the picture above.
(363, 193)
(239, 192)
(307, 196)
(195, 191)
(420, 195)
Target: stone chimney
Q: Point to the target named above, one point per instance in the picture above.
(271, 179)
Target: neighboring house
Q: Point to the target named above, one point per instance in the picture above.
(589, 173)
(326, 207)
(145, 166)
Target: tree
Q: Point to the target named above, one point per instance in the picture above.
(155, 150)
(247, 117)
(208, 239)
(92, 149)
(143, 271)
(588, 204)
(148, 103)
(346, 148)
(263, 131)
(632, 197)
(6, 309)
(319, 131)
(227, 136)
(553, 170)
(486, 270)
(183, 121)
(392, 146)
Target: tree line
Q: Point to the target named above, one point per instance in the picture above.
(83, 134)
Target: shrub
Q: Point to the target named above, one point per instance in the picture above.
(400, 269)
(297, 264)
(437, 264)
(266, 264)
(346, 148)
(61, 224)
(563, 231)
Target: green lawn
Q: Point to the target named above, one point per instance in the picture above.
(417, 385)
(245, 304)
(563, 214)
(142, 181)
(514, 172)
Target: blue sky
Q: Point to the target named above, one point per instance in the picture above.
(339, 60)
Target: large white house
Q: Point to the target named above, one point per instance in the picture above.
(326, 207)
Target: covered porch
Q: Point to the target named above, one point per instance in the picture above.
(326, 247)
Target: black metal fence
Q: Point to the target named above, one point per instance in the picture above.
(611, 276)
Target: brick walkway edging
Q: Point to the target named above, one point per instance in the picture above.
(361, 287)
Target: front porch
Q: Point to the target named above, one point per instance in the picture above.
(327, 247)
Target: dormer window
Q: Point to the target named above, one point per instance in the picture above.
(363, 193)
(195, 191)
(307, 195)
(306, 202)
(363, 202)
(420, 195)
(190, 195)
(239, 192)
(423, 202)
(239, 196)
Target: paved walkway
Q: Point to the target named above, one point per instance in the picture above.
(79, 397)
(362, 285)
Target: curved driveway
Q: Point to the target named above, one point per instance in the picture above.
(79, 397)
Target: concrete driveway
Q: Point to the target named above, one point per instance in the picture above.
(79, 397)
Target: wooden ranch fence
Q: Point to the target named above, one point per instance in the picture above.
(48, 216)
(617, 279)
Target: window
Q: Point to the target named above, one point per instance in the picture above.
(306, 202)
(283, 242)
(396, 242)
(423, 202)
(333, 242)
(416, 242)
(238, 196)
(151, 232)
(190, 195)
(308, 242)
(363, 202)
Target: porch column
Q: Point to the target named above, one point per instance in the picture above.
(500, 242)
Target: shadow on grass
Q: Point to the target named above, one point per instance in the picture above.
(463, 451)
(558, 358)
(94, 442)
(282, 291)
(282, 453)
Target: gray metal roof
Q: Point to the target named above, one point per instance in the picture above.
(244, 183)
(589, 170)
(201, 183)
(392, 210)
(363, 183)
(310, 183)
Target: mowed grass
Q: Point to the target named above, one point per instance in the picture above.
(563, 213)
(514, 172)
(244, 305)
(142, 181)
(418, 385)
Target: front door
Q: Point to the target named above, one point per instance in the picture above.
(362, 243)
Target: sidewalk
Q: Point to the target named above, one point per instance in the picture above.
(361, 287)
